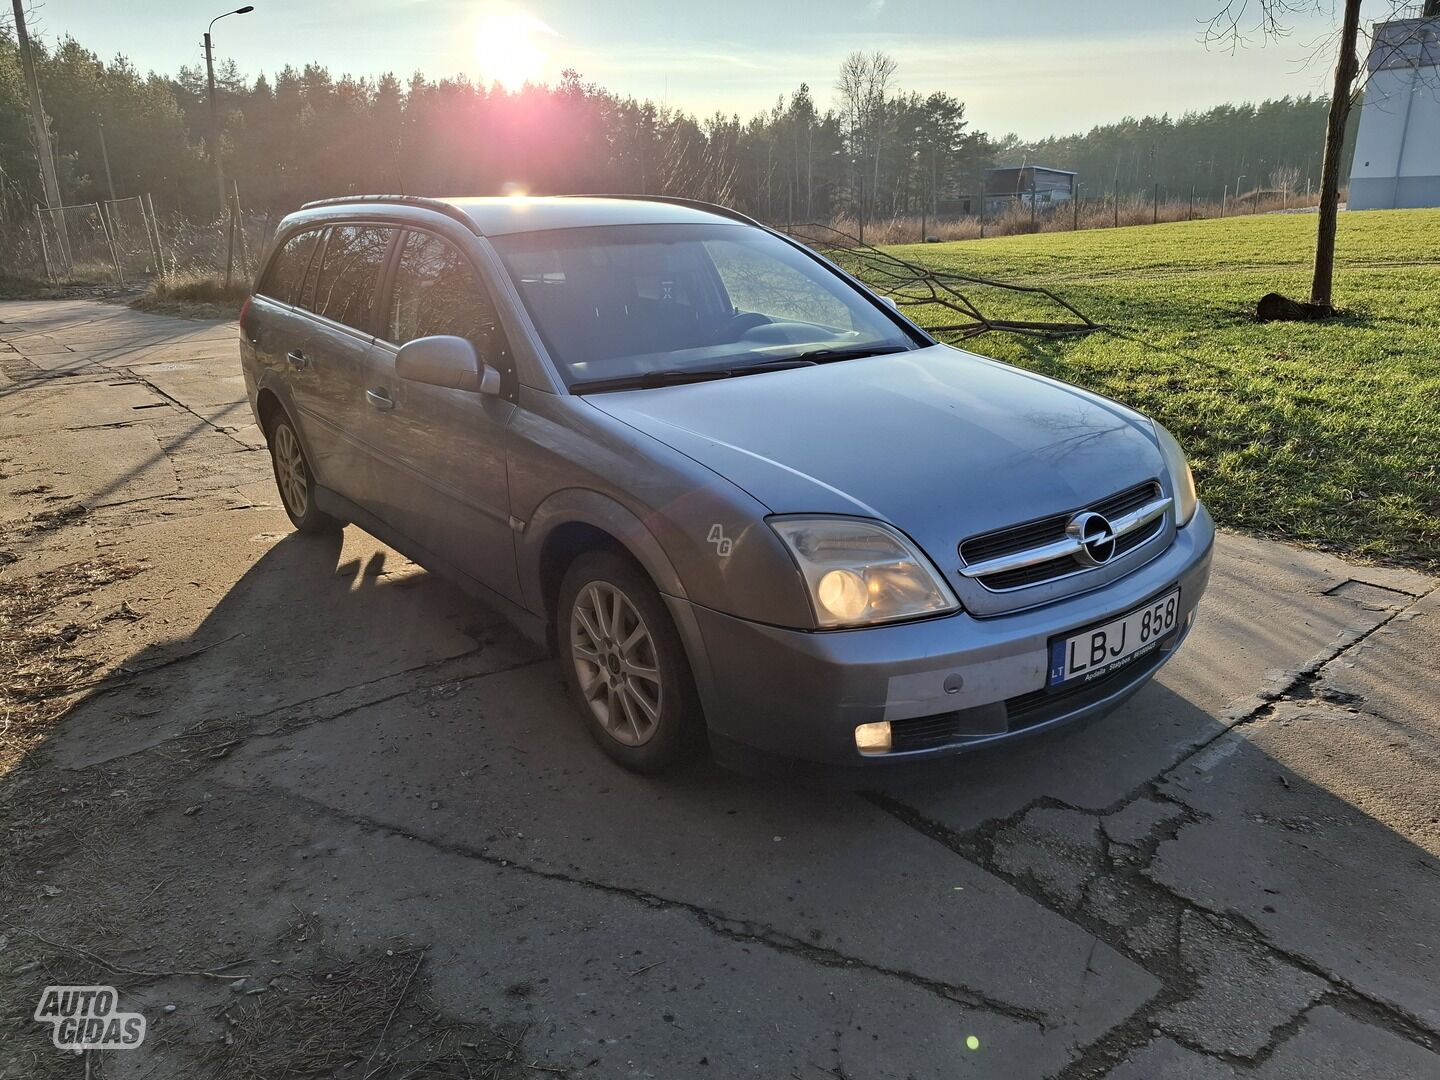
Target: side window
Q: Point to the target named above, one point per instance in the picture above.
(437, 292)
(306, 299)
(349, 277)
(287, 269)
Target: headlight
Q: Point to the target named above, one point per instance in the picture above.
(1180, 477)
(862, 572)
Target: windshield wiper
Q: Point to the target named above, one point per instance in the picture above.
(677, 376)
(650, 379)
(855, 352)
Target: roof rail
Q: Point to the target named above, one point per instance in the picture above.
(675, 200)
(440, 206)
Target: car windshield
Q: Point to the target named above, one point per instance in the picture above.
(621, 305)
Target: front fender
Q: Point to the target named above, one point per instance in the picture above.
(576, 505)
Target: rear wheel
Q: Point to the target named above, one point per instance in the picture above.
(295, 479)
(624, 664)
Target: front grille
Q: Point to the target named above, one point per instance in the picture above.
(1020, 712)
(1047, 530)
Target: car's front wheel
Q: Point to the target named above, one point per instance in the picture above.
(295, 479)
(625, 666)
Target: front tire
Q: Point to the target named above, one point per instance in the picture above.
(625, 666)
(295, 480)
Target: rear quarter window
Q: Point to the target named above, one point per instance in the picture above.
(287, 267)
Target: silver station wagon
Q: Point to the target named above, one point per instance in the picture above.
(746, 501)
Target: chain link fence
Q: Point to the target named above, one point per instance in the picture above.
(75, 242)
(126, 242)
(134, 238)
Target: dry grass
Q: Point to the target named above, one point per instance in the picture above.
(364, 1018)
(195, 294)
(41, 667)
(1093, 214)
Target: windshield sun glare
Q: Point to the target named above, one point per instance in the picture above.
(627, 302)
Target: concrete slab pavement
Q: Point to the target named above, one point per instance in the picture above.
(322, 754)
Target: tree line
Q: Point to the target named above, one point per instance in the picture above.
(873, 149)
(1277, 143)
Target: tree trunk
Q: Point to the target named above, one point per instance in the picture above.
(1346, 69)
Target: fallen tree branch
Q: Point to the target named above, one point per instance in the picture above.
(911, 284)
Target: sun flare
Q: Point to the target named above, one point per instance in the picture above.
(510, 47)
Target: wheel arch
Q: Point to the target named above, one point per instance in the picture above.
(267, 406)
(272, 399)
(575, 521)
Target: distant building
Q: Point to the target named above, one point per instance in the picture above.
(1397, 149)
(1027, 185)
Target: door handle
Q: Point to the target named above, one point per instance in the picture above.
(380, 399)
(297, 359)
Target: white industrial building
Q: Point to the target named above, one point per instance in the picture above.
(1397, 148)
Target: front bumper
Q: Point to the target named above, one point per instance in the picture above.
(949, 684)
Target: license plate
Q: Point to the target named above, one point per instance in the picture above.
(1110, 646)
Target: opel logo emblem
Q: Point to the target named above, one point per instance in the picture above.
(1097, 538)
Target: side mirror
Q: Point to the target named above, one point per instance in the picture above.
(889, 302)
(445, 360)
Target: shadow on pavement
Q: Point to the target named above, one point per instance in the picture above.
(347, 755)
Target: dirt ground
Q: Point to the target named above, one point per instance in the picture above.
(313, 813)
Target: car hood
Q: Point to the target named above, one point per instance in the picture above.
(939, 442)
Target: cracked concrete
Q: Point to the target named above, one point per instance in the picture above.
(300, 752)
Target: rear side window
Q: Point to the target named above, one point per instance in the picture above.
(437, 292)
(349, 278)
(287, 269)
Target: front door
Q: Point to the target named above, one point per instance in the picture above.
(441, 453)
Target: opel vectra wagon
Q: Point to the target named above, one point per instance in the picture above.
(745, 500)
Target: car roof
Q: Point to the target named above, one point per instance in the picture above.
(501, 215)
(497, 216)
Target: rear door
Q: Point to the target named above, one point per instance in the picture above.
(328, 360)
(441, 453)
(272, 323)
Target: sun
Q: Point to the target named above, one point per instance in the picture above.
(510, 47)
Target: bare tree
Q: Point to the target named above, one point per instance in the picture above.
(1285, 179)
(1270, 19)
(864, 88)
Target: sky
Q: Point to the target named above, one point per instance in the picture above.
(1034, 67)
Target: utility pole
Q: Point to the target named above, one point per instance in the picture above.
(42, 134)
(214, 122)
(105, 156)
(223, 201)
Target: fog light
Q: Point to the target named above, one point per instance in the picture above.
(873, 738)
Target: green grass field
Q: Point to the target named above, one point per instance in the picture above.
(1323, 433)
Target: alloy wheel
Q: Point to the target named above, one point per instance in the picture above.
(615, 660)
(290, 470)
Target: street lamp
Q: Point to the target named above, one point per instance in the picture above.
(1239, 202)
(214, 116)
